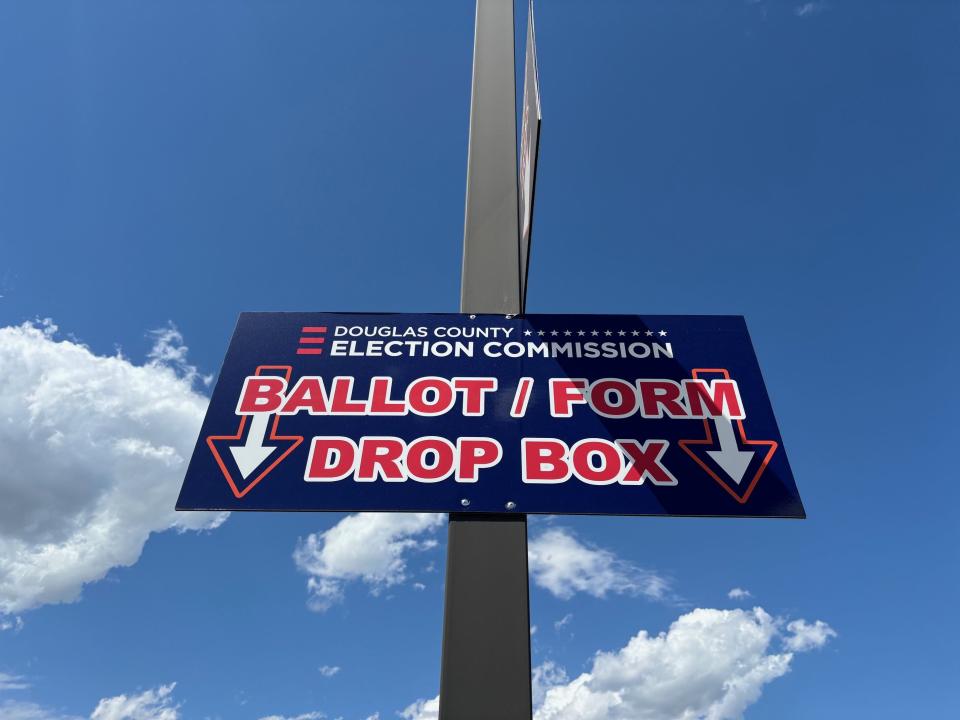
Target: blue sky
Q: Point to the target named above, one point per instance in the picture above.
(181, 161)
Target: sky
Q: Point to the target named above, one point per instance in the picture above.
(166, 165)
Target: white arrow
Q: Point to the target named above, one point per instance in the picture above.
(730, 457)
(249, 455)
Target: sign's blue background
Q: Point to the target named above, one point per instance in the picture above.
(698, 341)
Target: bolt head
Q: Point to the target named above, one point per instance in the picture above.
(508, 317)
(511, 505)
(473, 317)
(465, 502)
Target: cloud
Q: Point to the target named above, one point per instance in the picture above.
(22, 710)
(169, 350)
(809, 9)
(329, 671)
(564, 566)
(93, 449)
(563, 622)
(739, 594)
(422, 710)
(808, 636)
(12, 682)
(11, 623)
(156, 704)
(13, 710)
(149, 705)
(371, 547)
(709, 664)
(305, 716)
(545, 676)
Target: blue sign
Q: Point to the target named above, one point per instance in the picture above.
(600, 414)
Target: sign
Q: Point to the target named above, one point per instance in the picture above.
(605, 414)
(529, 150)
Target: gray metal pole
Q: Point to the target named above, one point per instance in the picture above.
(485, 666)
(490, 281)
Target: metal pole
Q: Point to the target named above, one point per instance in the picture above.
(485, 665)
(490, 281)
(485, 668)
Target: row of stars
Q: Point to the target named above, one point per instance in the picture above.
(607, 333)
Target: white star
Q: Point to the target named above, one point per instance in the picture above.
(554, 333)
(635, 333)
(663, 333)
(608, 333)
(621, 333)
(648, 333)
(541, 333)
(567, 333)
(528, 332)
(581, 332)
(594, 332)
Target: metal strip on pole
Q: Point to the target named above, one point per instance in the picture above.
(529, 151)
(485, 664)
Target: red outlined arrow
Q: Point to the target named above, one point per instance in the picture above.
(732, 462)
(240, 476)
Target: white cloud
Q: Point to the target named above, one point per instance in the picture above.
(739, 594)
(810, 8)
(155, 704)
(305, 716)
(371, 547)
(13, 710)
(12, 682)
(545, 676)
(563, 565)
(710, 664)
(422, 710)
(563, 622)
(169, 350)
(11, 623)
(23, 710)
(808, 636)
(329, 671)
(94, 450)
(149, 705)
